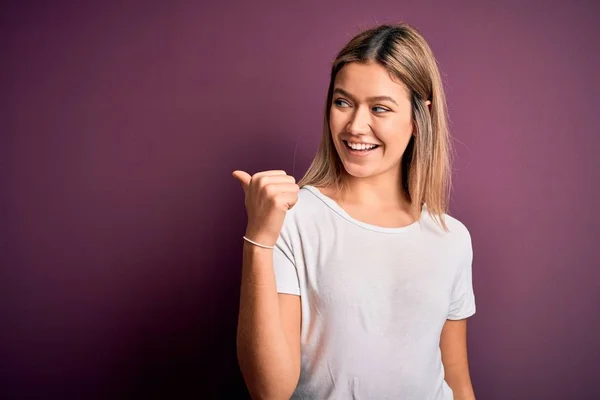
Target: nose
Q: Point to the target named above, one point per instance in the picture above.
(359, 122)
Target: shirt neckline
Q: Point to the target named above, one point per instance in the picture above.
(333, 205)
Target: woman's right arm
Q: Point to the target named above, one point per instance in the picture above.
(268, 338)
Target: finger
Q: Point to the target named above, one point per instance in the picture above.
(268, 173)
(274, 190)
(243, 177)
(288, 200)
(287, 188)
(273, 179)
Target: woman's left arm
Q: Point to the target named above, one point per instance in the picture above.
(453, 345)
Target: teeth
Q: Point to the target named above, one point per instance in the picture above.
(360, 146)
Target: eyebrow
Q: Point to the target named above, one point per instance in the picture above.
(375, 98)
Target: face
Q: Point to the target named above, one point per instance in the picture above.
(370, 120)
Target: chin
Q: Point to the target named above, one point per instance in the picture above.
(357, 171)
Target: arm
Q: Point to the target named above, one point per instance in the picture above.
(453, 345)
(268, 339)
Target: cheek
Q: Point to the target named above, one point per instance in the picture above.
(395, 134)
(336, 126)
(336, 120)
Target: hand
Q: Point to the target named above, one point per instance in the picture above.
(269, 195)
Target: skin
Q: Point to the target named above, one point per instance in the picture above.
(268, 337)
(368, 107)
(373, 183)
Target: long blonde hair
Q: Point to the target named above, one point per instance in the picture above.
(426, 173)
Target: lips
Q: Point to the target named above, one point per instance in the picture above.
(360, 149)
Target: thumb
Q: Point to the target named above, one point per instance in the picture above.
(243, 177)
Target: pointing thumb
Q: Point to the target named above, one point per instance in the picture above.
(243, 177)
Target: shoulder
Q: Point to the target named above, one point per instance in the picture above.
(309, 208)
(304, 221)
(309, 202)
(456, 227)
(459, 236)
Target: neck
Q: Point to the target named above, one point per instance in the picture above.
(384, 190)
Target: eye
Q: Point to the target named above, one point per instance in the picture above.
(341, 103)
(381, 109)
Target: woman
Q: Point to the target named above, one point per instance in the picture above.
(362, 289)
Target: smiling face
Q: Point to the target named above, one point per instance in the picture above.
(370, 120)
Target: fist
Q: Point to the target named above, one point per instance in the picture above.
(268, 196)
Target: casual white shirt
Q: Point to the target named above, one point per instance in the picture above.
(374, 300)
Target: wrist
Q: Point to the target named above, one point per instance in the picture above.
(259, 239)
(262, 246)
(253, 249)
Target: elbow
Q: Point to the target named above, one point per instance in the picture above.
(267, 378)
(266, 395)
(261, 387)
(281, 388)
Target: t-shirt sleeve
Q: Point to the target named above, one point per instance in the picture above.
(286, 274)
(462, 303)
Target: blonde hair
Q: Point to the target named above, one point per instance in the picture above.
(426, 173)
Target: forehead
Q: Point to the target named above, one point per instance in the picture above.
(370, 79)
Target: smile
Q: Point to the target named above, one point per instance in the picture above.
(360, 148)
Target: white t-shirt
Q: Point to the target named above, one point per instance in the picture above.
(374, 300)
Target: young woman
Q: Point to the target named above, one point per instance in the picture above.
(362, 289)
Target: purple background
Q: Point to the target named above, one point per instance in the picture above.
(121, 228)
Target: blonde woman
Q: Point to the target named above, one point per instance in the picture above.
(356, 282)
